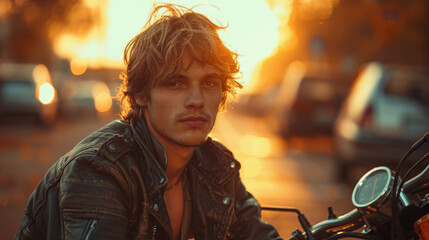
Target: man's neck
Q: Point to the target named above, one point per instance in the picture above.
(178, 159)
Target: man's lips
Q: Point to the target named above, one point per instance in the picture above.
(194, 121)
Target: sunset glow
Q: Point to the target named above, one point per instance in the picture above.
(252, 31)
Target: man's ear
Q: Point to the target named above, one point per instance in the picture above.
(141, 100)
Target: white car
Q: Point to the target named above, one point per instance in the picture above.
(386, 110)
(26, 92)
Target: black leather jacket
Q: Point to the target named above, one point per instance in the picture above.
(111, 186)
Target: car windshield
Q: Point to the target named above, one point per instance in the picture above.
(16, 89)
(411, 85)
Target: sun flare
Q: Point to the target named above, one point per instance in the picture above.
(252, 31)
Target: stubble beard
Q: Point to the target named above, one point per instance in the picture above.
(193, 139)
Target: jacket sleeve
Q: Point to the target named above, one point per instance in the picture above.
(248, 224)
(93, 200)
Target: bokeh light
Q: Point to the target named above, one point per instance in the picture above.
(102, 97)
(41, 74)
(78, 66)
(103, 102)
(256, 146)
(46, 93)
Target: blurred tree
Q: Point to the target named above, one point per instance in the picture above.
(33, 25)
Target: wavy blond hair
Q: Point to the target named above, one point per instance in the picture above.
(155, 53)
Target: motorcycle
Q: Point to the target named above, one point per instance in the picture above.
(388, 205)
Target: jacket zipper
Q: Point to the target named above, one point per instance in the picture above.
(91, 229)
(154, 231)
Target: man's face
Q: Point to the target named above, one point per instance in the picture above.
(182, 109)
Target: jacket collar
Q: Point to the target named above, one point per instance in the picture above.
(154, 154)
(150, 140)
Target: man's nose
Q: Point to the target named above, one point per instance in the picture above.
(195, 98)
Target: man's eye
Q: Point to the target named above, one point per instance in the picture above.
(211, 83)
(173, 84)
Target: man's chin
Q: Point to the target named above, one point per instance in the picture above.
(193, 141)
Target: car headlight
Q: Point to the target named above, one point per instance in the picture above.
(45, 93)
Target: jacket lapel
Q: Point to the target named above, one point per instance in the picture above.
(155, 175)
(215, 162)
(211, 167)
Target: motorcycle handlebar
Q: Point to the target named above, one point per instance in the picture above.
(417, 180)
(349, 219)
(353, 216)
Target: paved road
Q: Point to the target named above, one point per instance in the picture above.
(297, 173)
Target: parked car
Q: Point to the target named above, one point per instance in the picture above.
(256, 104)
(309, 98)
(386, 111)
(85, 98)
(26, 92)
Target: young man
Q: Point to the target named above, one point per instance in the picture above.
(155, 174)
